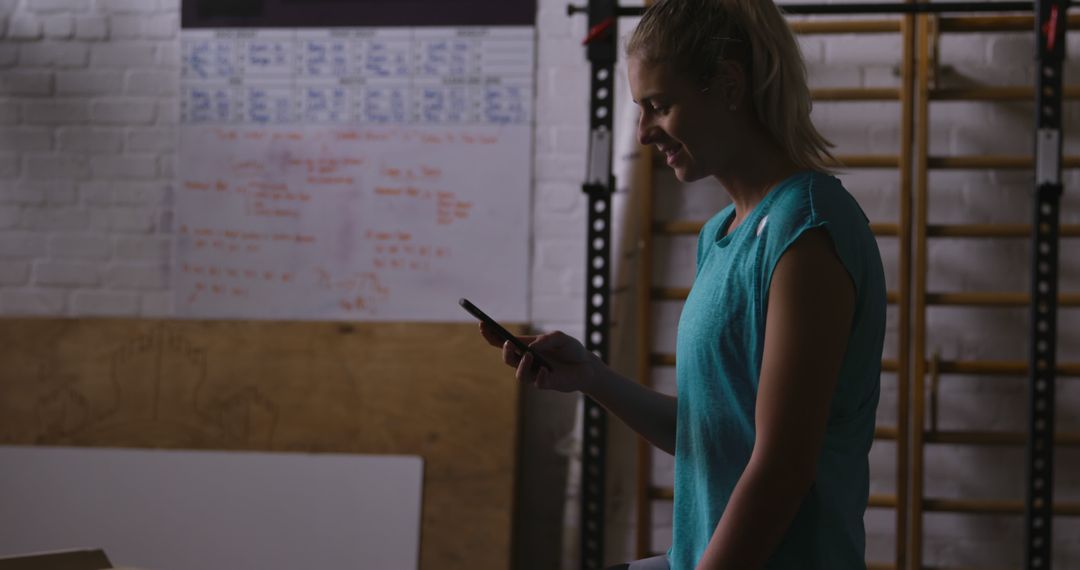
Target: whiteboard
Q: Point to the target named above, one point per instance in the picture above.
(354, 173)
(210, 510)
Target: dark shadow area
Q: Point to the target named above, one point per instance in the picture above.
(542, 474)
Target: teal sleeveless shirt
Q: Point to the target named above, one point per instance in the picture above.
(721, 337)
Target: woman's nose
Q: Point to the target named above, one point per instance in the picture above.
(646, 131)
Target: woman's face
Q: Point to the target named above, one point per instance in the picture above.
(690, 125)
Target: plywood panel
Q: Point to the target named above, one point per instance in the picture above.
(434, 390)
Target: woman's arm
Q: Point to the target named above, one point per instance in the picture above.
(648, 412)
(810, 310)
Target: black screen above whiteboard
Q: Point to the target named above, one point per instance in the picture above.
(335, 13)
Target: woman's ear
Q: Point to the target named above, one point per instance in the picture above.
(729, 83)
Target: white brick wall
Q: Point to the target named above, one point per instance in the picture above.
(87, 89)
(88, 109)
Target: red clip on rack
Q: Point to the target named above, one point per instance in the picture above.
(597, 31)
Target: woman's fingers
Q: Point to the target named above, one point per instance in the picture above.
(489, 336)
(555, 344)
(563, 347)
(549, 342)
(510, 354)
(526, 371)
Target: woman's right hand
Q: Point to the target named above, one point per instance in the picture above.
(573, 368)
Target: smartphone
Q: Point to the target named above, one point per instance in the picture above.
(502, 333)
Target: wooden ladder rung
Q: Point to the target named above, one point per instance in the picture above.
(866, 161)
(841, 162)
(882, 501)
(993, 438)
(1002, 161)
(998, 367)
(678, 228)
(994, 230)
(975, 368)
(814, 27)
(690, 227)
(992, 507)
(680, 294)
(1002, 93)
(994, 299)
(666, 493)
(885, 229)
(823, 94)
(667, 359)
(661, 493)
(886, 432)
(1014, 23)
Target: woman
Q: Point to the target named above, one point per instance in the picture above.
(779, 343)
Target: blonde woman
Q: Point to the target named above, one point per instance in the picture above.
(779, 343)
